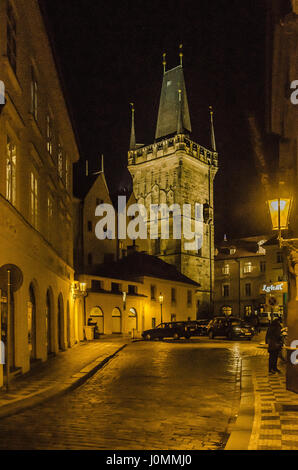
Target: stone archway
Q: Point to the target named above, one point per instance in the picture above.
(32, 321)
(116, 320)
(132, 320)
(49, 319)
(97, 315)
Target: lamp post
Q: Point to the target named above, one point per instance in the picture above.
(160, 298)
(280, 212)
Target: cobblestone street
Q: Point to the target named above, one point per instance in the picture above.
(152, 395)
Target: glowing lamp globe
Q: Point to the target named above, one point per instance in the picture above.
(279, 212)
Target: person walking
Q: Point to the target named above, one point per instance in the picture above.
(274, 341)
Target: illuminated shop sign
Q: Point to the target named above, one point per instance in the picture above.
(276, 287)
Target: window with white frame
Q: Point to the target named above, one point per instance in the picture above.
(34, 198)
(34, 94)
(226, 269)
(247, 267)
(11, 32)
(11, 162)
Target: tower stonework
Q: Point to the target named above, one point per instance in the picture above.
(176, 170)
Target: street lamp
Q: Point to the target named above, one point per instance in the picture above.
(280, 212)
(160, 298)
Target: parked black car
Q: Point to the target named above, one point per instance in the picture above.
(174, 330)
(231, 327)
(197, 327)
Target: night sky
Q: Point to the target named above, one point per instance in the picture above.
(110, 54)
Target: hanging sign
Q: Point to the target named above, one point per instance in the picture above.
(274, 288)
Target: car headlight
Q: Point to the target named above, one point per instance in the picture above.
(237, 329)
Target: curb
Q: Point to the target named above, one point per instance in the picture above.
(242, 429)
(68, 385)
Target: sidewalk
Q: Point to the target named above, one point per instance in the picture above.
(59, 374)
(268, 414)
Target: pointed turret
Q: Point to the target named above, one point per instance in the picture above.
(213, 143)
(170, 106)
(132, 144)
(180, 117)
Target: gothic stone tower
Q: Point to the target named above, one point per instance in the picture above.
(174, 169)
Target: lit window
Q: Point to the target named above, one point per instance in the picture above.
(34, 199)
(226, 269)
(11, 160)
(247, 267)
(49, 134)
(11, 37)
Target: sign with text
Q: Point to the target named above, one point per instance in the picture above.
(274, 288)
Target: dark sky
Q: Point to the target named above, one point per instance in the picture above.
(110, 53)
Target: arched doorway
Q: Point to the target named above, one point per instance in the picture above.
(3, 337)
(32, 322)
(116, 320)
(60, 323)
(132, 320)
(49, 320)
(97, 315)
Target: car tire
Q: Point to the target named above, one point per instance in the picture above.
(187, 336)
(176, 336)
(211, 334)
(160, 338)
(148, 337)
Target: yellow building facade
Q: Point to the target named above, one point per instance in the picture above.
(37, 150)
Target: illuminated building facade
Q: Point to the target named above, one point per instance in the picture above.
(242, 268)
(38, 148)
(176, 170)
(282, 123)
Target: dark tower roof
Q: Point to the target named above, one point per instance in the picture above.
(170, 107)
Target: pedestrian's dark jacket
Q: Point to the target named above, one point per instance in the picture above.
(273, 337)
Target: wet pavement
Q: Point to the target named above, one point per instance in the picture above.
(152, 395)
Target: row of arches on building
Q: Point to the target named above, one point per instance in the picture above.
(117, 324)
(55, 324)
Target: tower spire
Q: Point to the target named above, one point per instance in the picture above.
(164, 62)
(180, 117)
(213, 143)
(181, 54)
(132, 144)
